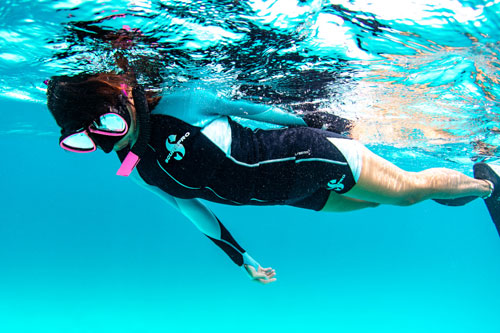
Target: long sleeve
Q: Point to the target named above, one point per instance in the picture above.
(223, 107)
(210, 225)
(207, 223)
(200, 108)
(270, 114)
(264, 113)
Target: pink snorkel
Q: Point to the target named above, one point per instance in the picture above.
(144, 126)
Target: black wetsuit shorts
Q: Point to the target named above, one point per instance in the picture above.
(297, 165)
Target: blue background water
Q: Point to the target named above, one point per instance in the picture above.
(73, 259)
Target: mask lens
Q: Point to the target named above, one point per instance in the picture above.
(78, 142)
(110, 124)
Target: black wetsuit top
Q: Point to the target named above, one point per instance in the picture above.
(287, 166)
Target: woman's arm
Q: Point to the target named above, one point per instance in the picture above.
(260, 112)
(210, 225)
(270, 114)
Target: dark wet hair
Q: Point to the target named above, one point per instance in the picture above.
(76, 101)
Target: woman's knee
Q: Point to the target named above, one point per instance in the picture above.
(404, 202)
(410, 199)
(341, 203)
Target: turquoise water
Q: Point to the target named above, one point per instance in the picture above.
(426, 78)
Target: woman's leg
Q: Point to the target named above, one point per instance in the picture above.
(382, 182)
(340, 203)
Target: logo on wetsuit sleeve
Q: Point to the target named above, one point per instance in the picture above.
(176, 149)
(334, 185)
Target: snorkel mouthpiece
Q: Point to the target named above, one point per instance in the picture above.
(134, 155)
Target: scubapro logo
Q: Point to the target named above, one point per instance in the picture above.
(334, 185)
(176, 149)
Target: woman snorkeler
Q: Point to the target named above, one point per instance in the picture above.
(189, 145)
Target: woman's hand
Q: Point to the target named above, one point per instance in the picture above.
(262, 275)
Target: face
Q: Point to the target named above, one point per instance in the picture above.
(113, 130)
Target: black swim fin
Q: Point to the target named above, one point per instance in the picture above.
(492, 173)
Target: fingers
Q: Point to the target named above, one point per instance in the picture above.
(262, 275)
(265, 275)
(265, 281)
(270, 273)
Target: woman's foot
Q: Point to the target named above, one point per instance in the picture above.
(491, 173)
